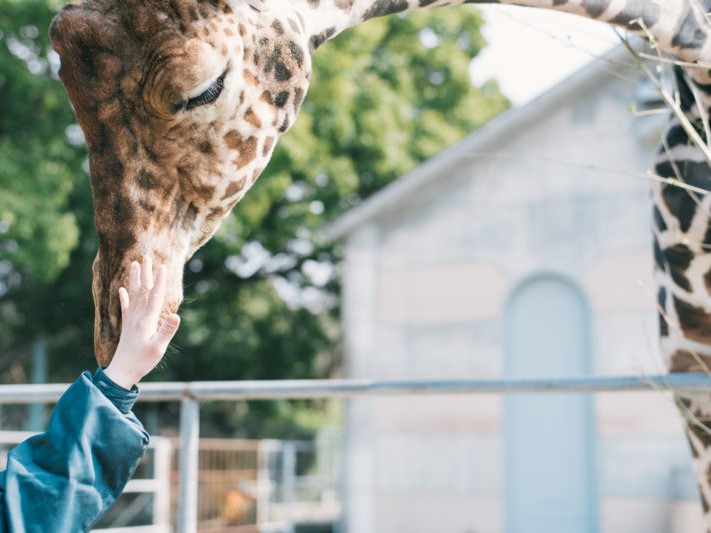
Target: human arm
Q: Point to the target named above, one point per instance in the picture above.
(63, 480)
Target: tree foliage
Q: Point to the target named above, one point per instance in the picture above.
(41, 174)
(261, 297)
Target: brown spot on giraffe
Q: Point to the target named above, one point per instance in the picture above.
(251, 117)
(693, 321)
(266, 97)
(281, 99)
(234, 139)
(248, 152)
(250, 78)
(148, 207)
(345, 5)
(707, 281)
(233, 188)
(215, 214)
(268, 143)
(109, 111)
(678, 258)
(256, 173)
(686, 361)
(278, 27)
(298, 98)
(191, 212)
(317, 40)
(297, 53)
(146, 180)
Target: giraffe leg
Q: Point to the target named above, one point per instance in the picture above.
(676, 332)
(696, 409)
(682, 251)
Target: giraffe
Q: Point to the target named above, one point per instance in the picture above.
(183, 101)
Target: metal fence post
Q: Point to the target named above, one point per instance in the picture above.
(35, 421)
(161, 474)
(265, 449)
(189, 450)
(288, 483)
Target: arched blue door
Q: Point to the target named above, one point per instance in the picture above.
(550, 474)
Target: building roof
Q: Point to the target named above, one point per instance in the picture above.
(490, 135)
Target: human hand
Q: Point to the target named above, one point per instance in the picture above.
(142, 343)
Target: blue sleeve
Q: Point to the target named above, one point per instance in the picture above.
(65, 479)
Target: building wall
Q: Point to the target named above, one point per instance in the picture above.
(425, 290)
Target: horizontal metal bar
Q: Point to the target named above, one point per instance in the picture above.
(144, 485)
(31, 393)
(344, 388)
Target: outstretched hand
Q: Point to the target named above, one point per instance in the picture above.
(142, 343)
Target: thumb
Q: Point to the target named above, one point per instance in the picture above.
(168, 329)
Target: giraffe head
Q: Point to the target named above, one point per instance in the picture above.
(181, 103)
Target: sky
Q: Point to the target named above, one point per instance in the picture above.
(531, 49)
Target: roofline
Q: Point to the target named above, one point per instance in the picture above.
(481, 139)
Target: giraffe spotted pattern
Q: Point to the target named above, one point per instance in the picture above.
(183, 101)
(181, 104)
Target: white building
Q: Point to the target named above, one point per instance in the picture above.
(525, 250)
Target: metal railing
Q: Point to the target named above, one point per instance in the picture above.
(190, 394)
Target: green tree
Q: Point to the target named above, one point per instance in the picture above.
(261, 297)
(42, 178)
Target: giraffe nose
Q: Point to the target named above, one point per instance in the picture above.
(106, 311)
(110, 271)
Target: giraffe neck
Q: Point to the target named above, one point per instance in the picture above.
(682, 234)
(678, 27)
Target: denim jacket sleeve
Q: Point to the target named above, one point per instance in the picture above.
(65, 479)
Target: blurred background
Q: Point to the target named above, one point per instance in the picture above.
(391, 236)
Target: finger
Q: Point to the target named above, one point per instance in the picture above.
(167, 331)
(147, 273)
(124, 301)
(158, 293)
(134, 277)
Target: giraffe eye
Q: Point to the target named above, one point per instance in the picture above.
(208, 96)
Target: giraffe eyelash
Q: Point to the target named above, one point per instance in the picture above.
(208, 96)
